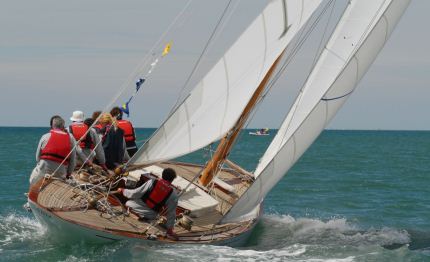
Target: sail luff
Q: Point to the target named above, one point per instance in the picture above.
(228, 141)
(334, 77)
(216, 103)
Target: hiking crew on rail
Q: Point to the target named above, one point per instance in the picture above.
(55, 152)
(90, 145)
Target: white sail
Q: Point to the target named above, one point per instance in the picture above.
(360, 35)
(214, 105)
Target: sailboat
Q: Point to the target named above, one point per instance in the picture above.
(260, 132)
(220, 202)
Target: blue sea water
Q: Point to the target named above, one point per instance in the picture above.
(353, 196)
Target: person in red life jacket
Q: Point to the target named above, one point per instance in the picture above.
(55, 152)
(127, 127)
(113, 142)
(89, 146)
(149, 199)
(97, 126)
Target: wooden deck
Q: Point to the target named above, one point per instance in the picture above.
(71, 204)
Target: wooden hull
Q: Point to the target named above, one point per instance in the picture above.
(64, 230)
(55, 203)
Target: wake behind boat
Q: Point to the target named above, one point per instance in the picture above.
(260, 132)
(220, 202)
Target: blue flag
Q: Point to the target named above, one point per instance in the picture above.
(139, 83)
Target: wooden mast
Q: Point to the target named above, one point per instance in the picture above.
(227, 142)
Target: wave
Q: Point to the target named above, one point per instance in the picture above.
(337, 231)
(276, 238)
(15, 228)
(284, 238)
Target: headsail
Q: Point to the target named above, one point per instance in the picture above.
(215, 104)
(360, 35)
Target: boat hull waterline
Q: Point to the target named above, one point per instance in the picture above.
(58, 206)
(64, 229)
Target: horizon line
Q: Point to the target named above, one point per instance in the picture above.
(254, 128)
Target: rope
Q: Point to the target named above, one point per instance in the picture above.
(206, 47)
(124, 86)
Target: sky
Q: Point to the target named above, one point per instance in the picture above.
(60, 56)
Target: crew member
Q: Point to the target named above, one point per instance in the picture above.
(55, 154)
(149, 199)
(127, 127)
(113, 141)
(89, 146)
(97, 125)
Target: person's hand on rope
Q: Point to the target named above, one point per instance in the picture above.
(120, 190)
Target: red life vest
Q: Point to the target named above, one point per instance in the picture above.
(127, 127)
(158, 195)
(58, 147)
(78, 130)
(98, 127)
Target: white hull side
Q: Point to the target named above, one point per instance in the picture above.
(64, 230)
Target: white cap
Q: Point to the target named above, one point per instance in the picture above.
(77, 116)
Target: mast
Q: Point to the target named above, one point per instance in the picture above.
(228, 140)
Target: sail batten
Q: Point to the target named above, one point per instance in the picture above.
(215, 104)
(359, 36)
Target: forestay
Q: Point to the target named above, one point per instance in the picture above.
(215, 104)
(359, 36)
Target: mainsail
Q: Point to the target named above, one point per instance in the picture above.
(215, 104)
(359, 36)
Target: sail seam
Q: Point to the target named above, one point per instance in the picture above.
(387, 26)
(227, 79)
(336, 98)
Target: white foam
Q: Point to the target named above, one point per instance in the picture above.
(334, 231)
(18, 228)
(294, 252)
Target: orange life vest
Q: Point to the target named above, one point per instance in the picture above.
(156, 197)
(58, 147)
(127, 127)
(78, 130)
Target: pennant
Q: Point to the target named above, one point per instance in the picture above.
(139, 83)
(124, 108)
(166, 49)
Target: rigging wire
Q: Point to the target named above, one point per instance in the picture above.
(357, 46)
(215, 33)
(316, 56)
(125, 84)
(354, 50)
(298, 45)
(222, 21)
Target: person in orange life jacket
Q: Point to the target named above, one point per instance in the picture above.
(148, 199)
(87, 147)
(127, 127)
(113, 142)
(53, 152)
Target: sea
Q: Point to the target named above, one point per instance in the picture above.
(353, 196)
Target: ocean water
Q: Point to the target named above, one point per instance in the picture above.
(353, 196)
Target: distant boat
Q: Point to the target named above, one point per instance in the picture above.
(260, 132)
(220, 202)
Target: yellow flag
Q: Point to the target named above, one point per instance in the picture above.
(166, 49)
